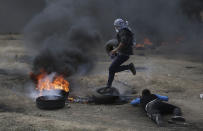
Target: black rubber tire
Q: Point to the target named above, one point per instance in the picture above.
(50, 102)
(110, 45)
(108, 97)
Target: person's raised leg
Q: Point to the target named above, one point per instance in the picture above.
(115, 67)
(130, 67)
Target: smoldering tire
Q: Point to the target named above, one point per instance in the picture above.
(50, 102)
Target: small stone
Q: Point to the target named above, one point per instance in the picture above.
(201, 96)
(68, 106)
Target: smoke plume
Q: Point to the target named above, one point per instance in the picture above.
(66, 33)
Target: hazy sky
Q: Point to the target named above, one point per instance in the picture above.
(14, 14)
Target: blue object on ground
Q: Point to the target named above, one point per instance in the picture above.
(164, 98)
(135, 101)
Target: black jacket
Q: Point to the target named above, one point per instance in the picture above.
(146, 99)
(125, 36)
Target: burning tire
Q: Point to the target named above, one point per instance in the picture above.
(50, 102)
(106, 95)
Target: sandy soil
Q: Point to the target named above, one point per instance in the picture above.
(181, 80)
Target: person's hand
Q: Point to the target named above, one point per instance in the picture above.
(113, 52)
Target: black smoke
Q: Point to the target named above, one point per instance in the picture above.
(67, 32)
(65, 41)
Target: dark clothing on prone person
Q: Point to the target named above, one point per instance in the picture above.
(153, 105)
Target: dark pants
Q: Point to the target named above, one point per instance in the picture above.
(117, 67)
(160, 107)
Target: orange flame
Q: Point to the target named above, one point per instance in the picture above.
(51, 82)
(179, 40)
(71, 99)
(139, 46)
(147, 41)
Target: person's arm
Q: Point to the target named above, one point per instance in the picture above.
(123, 41)
(164, 98)
(117, 48)
(135, 101)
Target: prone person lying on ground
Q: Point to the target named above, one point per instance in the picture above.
(155, 107)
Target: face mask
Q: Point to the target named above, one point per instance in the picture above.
(117, 30)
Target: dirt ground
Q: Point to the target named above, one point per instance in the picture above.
(181, 80)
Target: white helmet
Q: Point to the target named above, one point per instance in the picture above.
(120, 24)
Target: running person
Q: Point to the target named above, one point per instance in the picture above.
(123, 50)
